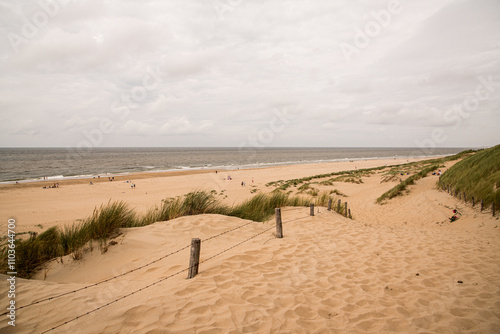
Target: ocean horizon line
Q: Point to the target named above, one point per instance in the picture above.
(38, 164)
(247, 147)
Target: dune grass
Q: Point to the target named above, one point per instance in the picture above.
(425, 167)
(261, 206)
(194, 203)
(106, 221)
(353, 176)
(477, 175)
(33, 252)
(55, 242)
(412, 167)
(402, 186)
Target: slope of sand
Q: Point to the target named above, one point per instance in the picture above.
(397, 268)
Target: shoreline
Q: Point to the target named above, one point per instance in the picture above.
(100, 178)
(32, 205)
(55, 177)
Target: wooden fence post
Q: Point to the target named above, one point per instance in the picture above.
(350, 217)
(345, 212)
(482, 205)
(493, 209)
(330, 204)
(311, 209)
(465, 198)
(338, 207)
(194, 259)
(279, 226)
(473, 201)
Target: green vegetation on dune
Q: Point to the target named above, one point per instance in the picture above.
(106, 221)
(424, 167)
(194, 203)
(419, 169)
(55, 242)
(477, 175)
(402, 186)
(261, 206)
(353, 176)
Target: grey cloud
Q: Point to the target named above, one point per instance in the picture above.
(216, 81)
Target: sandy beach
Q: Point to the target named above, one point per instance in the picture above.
(32, 205)
(401, 267)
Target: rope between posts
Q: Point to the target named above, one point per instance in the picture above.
(99, 283)
(157, 282)
(125, 273)
(116, 300)
(128, 272)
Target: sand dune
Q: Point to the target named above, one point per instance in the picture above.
(397, 268)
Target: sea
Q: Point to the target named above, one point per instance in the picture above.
(38, 164)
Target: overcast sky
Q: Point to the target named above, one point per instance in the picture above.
(250, 73)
